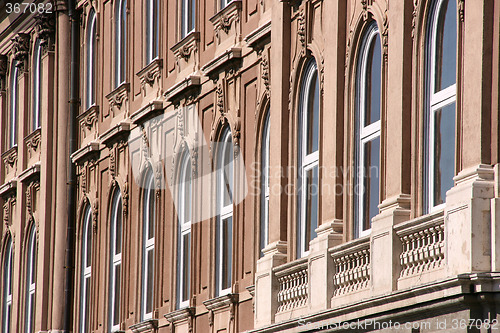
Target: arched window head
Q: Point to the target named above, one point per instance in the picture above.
(152, 29)
(86, 269)
(184, 211)
(29, 319)
(8, 263)
(367, 130)
(120, 41)
(37, 85)
(91, 59)
(148, 246)
(308, 181)
(115, 264)
(440, 117)
(264, 172)
(224, 232)
(14, 103)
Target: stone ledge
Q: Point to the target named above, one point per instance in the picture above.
(227, 57)
(33, 171)
(257, 38)
(147, 112)
(145, 326)
(187, 85)
(85, 152)
(114, 133)
(8, 187)
(221, 302)
(180, 315)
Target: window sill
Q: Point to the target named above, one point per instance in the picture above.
(185, 47)
(221, 302)
(10, 156)
(148, 325)
(180, 316)
(151, 72)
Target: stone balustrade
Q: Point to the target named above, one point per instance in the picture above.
(293, 285)
(352, 269)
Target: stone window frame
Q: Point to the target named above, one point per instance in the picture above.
(224, 212)
(364, 134)
(31, 262)
(148, 243)
(7, 281)
(306, 162)
(85, 268)
(184, 229)
(434, 102)
(121, 26)
(115, 259)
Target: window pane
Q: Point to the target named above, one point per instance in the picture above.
(88, 241)
(446, 46)
(32, 261)
(116, 305)
(187, 192)
(7, 319)
(227, 232)
(313, 115)
(228, 173)
(371, 181)
(373, 82)
(151, 203)
(149, 283)
(311, 206)
(444, 151)
(118, 230)
(32, 313)
(186, 269)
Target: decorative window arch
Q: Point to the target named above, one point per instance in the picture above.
(224, 227)
(115, 261)
(367, 130)
(184, 208)
(148, 246)
(86, 270)
(14, 103)
(31, 260)
(120, 41)
(264, 174)
(90, 92)
(37, 85)
(152, 30)
(308, 159)
(8, 264)
(440, 116)
(188, 16)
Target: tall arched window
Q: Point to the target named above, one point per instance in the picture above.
(442, 95)
(14, 104)
(152, 29)
(184, 233)
(91, 60)
(86, 270)
(7, 287)
(37, 86)
(120, 41)
(148, 247)
(29, 319)
(367, 130)
(308, 158)
(188, 17)
(264, 202)
(224, 228)
(115, 261)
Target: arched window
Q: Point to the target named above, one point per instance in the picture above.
(120, 41)
(367, 130)
(29, 319)
(37, 86)
(14, 104)
(188, 17)
(264, 202)
(86, 270)
(308, 158)
(442, 95)
(152, 29)
(224, 228)
(115, 261)
(148, 247)
(7, 287)
(91, 59)
(184, 233)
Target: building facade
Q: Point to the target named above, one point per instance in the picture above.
(253, 165)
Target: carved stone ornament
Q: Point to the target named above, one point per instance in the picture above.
(95, 214)
(265, 71)
(112, 162)
(20, 50)
(33, 142)
(414, 18)
(220, 98)
(385, 36)
(125, 199)
(461, 10)
(10, 157)
(301, 28)
(45, 26)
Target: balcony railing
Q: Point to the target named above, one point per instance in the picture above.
(293, 284)
(352, 268)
